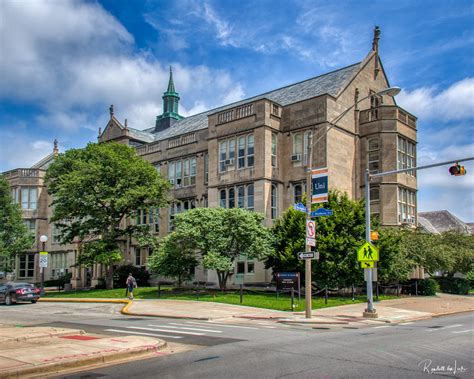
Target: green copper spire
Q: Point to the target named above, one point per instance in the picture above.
(170, 106)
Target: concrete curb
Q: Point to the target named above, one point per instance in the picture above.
(57, 367)
(314, 322)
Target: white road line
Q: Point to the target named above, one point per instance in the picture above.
(464, 331)
(406, 323)
(164, 330)
(221, 325)
(382, 326)
(185, 328)
(140, 333)
(445, 327)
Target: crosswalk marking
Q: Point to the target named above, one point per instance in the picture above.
(382, 326)
(140, 333)
(164, 330)
(406, 323)
(464, 331)
(185, 328)
(220, 325)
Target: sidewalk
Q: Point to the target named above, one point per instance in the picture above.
(37, 351)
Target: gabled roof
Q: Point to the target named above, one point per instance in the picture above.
(442, 221)
(331, 83)
(44, 163)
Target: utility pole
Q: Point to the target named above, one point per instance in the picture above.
(307, 262)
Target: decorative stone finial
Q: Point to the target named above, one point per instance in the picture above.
(100, 132)
(111, 110)
(126, 124)
(356, 98)
(55, 147)
(375, 42)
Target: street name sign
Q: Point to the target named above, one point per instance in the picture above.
(322, 212)
(367, 253)
(319, 185)
(310, 241)
(43, 259)
(300, 207)
(308, 255)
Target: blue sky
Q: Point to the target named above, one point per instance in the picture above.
(62, 63)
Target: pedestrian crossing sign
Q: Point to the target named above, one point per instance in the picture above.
(367, 253)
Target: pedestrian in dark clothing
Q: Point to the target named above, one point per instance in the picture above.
(131, 283)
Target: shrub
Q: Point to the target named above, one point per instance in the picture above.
(59, 282)
(101, 284)
(427, 287)
(459, 286)
(140, 274)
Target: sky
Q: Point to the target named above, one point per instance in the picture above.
(62, 63)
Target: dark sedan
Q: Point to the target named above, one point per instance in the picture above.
(12, 292)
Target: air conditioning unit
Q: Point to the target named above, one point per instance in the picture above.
(229, 162)
(296, 157)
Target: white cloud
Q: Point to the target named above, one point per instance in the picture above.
(76, 59)
(453, 103)
(24, 152)
(224, 30)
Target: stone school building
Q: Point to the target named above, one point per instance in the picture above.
(253, 154)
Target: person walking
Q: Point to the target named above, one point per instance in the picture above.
(131, 283)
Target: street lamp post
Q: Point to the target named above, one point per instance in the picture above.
(43, 240)
(391, 91)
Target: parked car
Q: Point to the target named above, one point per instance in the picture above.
(12, 292)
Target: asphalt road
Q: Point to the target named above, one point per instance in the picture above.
(263, 349)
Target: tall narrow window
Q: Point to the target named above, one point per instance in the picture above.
(241, 152)
(192, 171)
(373, 158)
(274, 149)
(298, 193)
(406, 155)
(222, 155)
(274, 202)
(178, 174)
(250, 201)
(206, 168)
(186, 177)
(231, 161)
(231, 198)
(223, 200)
(171, 172)
(297, 148)
(250, 150)
(241, 197)
(406, 205)
(29, 196)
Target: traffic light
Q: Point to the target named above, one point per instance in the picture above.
(457, 170)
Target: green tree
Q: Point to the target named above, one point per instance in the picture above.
(14, 235)
(175, 258)
(222, 235)
(460, 248)
(337, 239)
(95, 190)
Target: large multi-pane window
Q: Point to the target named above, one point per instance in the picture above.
(182, 173)
(236, 153)
(150, 217)
(58, 264)
(406, 152)
(301, 144)
(274, 149)
(374, 193)
(274, 202)
(373, 157)
(406, 205)
(178, 207)
(241, 196)
(55, 234)
(26, 267)
(29, 197)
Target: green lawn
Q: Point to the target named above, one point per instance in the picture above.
(259, 300)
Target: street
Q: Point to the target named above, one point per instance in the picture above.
(264, 349)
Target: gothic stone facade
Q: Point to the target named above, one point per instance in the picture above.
(254, 154)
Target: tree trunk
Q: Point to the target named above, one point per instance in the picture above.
(109, 279)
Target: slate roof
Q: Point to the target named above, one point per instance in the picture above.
(331, 83)
(441, 221)
(44, 163)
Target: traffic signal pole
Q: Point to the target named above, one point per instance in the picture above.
(370, 311)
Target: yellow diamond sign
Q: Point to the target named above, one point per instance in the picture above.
(367, 253)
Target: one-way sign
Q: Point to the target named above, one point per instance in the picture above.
(309, 255)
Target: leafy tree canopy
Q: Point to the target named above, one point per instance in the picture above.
(14, 235)
(222, 235)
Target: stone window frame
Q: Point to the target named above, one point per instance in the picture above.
(232, 192)
(182, 172)
(237, 152)
(206, 168)
(29, 202)
(373, 154)
(303, 191)
(406, 154)
(274, 149)
(406, 205)
(26, 264)
(300, 145)
(274, 201)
